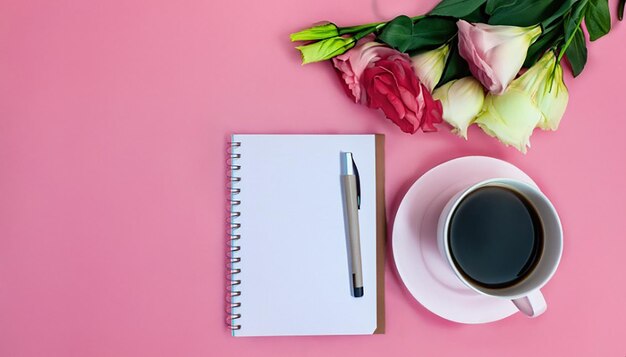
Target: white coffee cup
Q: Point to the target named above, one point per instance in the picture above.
(525, 294)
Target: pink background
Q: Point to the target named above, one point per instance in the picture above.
(114, 117)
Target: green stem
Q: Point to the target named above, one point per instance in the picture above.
(361, 31)
(552, 26)
(570, 39)
(452, 38)
(376, 25)
(556, 63)
(367, 31)
(359, 28)
(359, 35)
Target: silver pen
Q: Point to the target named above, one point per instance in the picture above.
(352, 203)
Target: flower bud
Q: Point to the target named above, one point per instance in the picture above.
(462, 100)
(495, 54)
(318, 32)
(325, 49)
(429, 66)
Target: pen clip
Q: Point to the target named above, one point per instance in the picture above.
(358, 185)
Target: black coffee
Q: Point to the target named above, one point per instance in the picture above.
(495, 237)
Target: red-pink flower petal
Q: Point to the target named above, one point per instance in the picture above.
(390, 84)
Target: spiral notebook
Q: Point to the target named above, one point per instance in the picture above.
(289, 268)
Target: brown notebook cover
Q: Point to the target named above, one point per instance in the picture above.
(381, 233)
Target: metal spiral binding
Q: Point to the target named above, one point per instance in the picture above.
(233, 239)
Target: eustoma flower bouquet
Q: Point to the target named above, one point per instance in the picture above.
(494, 63)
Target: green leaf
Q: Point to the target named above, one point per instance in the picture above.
(565, 7)
(398, 33)
(577, 52)
(620, 9)
(456, 67)
(456, 8)
(521, 12)
(493, 5)
(573, 20)
(425, 34)
(597, 19)
(478, 15)
(543, 43)
(432, 32)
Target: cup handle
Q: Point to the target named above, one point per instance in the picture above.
(531, 305)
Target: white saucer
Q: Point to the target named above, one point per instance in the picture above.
(421, 267)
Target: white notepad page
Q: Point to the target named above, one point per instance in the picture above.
(295, 277)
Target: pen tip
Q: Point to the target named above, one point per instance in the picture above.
(358, 292)
(347, 163)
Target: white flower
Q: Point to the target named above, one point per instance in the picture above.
(536, 99)
(462, 101)
(510, 117)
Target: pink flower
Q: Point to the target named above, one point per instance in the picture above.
(350, 65)
(391, 85)
(495, 54)
(383, 78)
